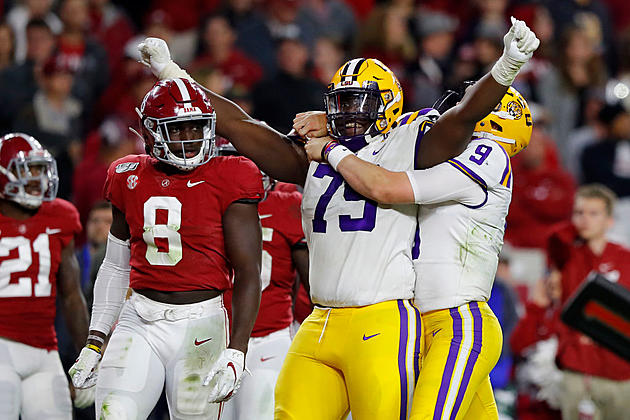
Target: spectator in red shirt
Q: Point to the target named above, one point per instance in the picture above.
(217, 41)
(542, 194)
(111, 27)
(536, 326)
(596, 381)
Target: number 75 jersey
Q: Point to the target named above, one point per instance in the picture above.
(361, 252)
(175, 218)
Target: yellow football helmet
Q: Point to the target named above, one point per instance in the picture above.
(363, 97)
(509, 123)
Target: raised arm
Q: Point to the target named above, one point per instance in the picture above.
(276, 154)
(452, 131)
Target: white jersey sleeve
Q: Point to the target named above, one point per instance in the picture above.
(464, 179)
(461, 227)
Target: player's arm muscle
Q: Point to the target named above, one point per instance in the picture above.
(299, 255)
(452, 131)
(374, 182)
(72, 302)
(243, 246)
(273, 152)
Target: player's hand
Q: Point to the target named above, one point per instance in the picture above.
(314, 148)
(311, 124)
(83, 397)
(520, 42)
(83, 371)
(225, 375)
(155, 54)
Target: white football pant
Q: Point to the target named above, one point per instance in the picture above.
(254, 399)
(33, 384)
(156, 344)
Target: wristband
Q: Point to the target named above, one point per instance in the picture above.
(95, 337)
(327, 148)
(336, 155)
(505, 70)
(93, 347)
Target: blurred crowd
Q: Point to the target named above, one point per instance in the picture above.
(70, 76)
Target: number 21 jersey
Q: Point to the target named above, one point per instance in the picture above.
(30, 254)
(175, 218)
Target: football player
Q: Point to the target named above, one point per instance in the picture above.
(37, 262)
(464, 203)
(362, 339)
(184, 223)
(284, 253)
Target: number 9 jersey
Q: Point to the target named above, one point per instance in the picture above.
(175, 218)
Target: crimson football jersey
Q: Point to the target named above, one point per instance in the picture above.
(175, 218)
(281, 222)
(30, 253)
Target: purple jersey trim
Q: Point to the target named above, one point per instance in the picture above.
(466, 171)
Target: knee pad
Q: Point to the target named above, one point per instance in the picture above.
(117, 407)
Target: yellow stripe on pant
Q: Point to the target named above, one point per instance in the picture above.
(462, 345)
(365, 359)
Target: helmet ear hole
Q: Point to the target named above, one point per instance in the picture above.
(495, 126)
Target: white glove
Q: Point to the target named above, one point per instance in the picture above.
(83, 372)
(226, 374)
(84, 397)
(519, 45)
(155, 54)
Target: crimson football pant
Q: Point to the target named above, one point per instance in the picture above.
(157, 345)
(33, 384)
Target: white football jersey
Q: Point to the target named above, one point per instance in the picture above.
(462, 221)
(361, 251)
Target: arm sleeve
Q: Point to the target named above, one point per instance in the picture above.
(443, 183)
(112, 282)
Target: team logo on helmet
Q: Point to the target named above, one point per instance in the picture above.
(515, 109)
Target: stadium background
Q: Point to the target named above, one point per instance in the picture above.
(69, 76)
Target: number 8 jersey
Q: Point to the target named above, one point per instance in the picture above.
(361, 252)
(175, 218)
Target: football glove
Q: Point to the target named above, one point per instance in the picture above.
(84, 397)
(154, 54)
(225, 375)
(519, 45)
(83, 372)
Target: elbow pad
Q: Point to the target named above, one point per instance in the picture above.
(112, 282)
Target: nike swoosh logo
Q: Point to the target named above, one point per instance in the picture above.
(50, 231)
(370, 336)
(192, 184)
(264, 216)
(264, 359)
(436, 331)
(377, 151)
(198, 343)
